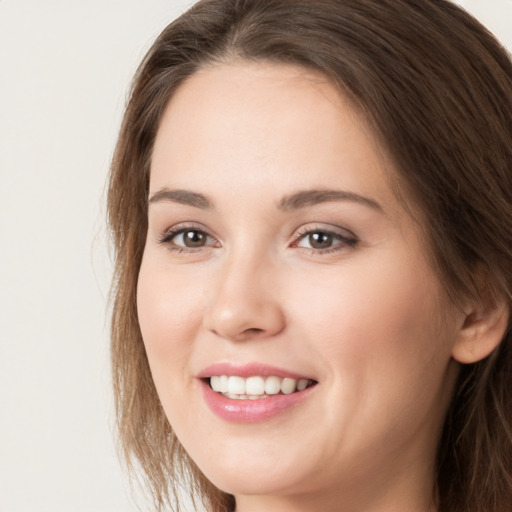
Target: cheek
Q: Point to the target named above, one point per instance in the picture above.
(378, 322)
(385, 357)
(169, 312)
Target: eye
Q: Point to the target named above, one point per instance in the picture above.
(324, 240)
(190, 238)
(187, 238)
(319, 240)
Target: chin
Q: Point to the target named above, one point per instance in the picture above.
(253, 475)
(250, 482)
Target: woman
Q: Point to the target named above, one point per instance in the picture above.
(311, 205)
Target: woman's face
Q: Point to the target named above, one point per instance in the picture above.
(276, 249)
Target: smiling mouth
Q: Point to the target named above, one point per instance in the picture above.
(255, 388)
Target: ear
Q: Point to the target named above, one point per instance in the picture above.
(484, 326)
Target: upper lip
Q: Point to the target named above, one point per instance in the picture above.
(249, 370)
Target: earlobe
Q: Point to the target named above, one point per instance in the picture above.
(482, 331)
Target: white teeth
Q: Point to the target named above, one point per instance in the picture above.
(288, 386)
(302, 384)
(256, 387)
(244, 397)
(236, 385)
(215, 383)
(272, 385)
(223, 383)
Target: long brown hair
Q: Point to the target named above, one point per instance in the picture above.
(436, 87)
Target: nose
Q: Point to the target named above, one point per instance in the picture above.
(245, 303)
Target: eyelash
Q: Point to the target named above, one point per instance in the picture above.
(171, 233)
(344, 241)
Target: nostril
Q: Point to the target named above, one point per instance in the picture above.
(251, 332)
(245, 321)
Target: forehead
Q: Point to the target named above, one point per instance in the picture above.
(260, 126)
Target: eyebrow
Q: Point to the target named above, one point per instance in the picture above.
(182, 197)
(306, 198)
(296, 201)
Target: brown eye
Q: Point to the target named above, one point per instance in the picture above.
(191, 238)
(187, 238)
(194, 238)
(325, 241)
(320, 240)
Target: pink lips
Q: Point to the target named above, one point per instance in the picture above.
(250, 411)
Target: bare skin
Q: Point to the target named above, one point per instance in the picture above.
(337, 286)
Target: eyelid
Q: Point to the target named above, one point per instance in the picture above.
(348, 239)
(166, 237)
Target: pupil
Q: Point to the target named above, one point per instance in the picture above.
(320, 240)
(194, 239)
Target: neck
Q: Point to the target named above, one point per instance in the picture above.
(392, 489)
(331, 503)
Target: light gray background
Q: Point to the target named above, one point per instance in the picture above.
(64, 70)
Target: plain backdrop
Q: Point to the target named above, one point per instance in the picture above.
(65, 67)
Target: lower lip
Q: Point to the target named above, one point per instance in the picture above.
(251, 411)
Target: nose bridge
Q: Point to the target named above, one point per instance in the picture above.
(244, 303)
